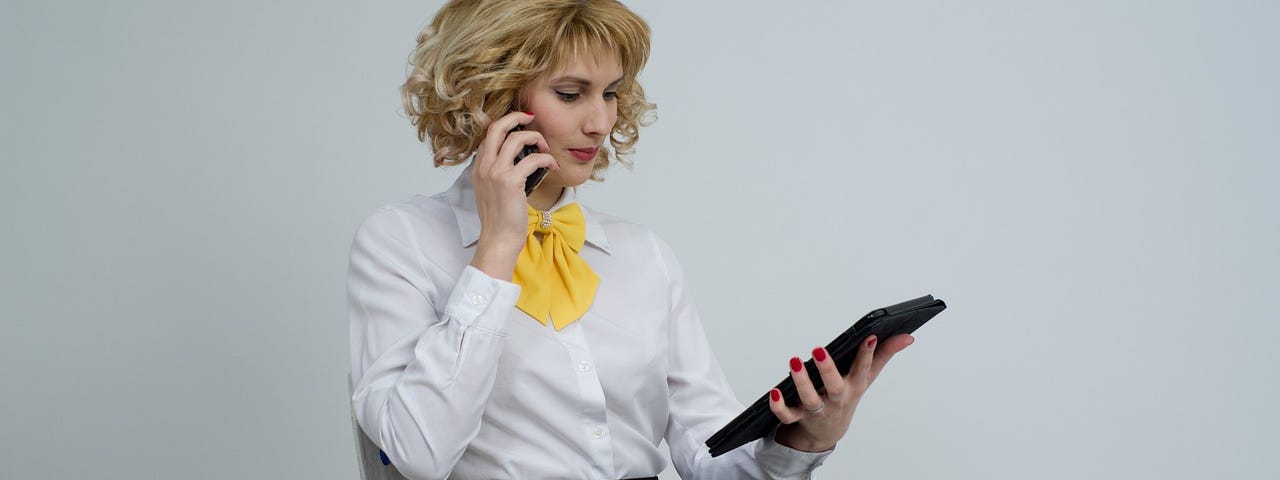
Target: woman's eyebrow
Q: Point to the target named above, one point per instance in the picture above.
(582, 81)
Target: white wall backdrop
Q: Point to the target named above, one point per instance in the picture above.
(1089, 184)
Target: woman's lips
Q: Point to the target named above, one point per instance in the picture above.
(584, 154)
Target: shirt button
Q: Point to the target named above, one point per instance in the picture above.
(584, 367)
(598, 433)
(477, 299)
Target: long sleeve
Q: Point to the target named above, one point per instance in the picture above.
(422, 371)
(702, 402)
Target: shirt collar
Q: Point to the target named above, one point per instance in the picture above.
(462, 198)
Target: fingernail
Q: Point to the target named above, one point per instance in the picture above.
(872, 343)
(529, 113)
(775, 395)
(820, 354)
(796, 364)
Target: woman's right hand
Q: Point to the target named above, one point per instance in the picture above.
(499, 188)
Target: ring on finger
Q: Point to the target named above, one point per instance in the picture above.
(817, 410)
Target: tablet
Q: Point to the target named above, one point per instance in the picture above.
(758, 420)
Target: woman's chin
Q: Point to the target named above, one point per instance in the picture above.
(571, 176)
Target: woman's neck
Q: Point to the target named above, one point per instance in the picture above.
(545, 197)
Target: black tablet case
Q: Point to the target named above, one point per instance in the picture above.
(758, 420)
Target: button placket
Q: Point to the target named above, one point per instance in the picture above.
(595, 419)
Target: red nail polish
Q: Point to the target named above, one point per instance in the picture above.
(820, 354)
(775, 395)
(796, 364)
(872, 343)
(529, 113)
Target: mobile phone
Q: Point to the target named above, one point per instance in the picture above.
(534, 179)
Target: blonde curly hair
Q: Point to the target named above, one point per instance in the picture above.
(476, 56)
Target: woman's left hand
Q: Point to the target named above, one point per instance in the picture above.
(822, 419)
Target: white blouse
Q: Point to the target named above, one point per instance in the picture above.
(452, 380)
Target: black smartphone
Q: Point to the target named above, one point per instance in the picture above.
(534, 179)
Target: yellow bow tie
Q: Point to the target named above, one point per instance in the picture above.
(554, 281)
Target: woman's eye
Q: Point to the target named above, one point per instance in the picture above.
(567, 96)
(610, 95)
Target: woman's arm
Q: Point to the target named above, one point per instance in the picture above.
(421, 379)
(701, 402)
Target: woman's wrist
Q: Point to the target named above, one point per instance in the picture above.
(496, 261)
(793, 437)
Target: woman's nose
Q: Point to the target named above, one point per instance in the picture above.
(599, 119)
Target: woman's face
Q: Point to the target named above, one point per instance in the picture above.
(574, 109)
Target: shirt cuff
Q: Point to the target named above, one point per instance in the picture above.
(482, 302)
(786, 462)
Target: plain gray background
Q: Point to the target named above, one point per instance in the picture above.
(1089, 184)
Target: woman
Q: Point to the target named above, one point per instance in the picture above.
(496, 335)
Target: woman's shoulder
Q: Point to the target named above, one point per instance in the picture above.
(629, 236)
(621, 229)
(420, 216)
(634, 243)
